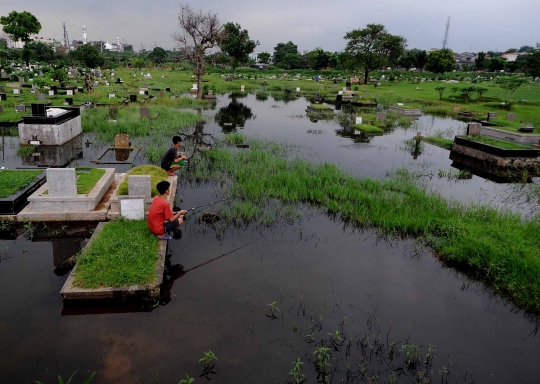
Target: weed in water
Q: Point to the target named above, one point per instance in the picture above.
(61, 381)
(187, 380)
(273, 309)
(296, 373)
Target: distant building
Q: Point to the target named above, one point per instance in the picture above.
(465, 58)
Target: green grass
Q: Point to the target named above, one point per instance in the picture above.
(124, 253)
(234, 138)
(157, 174)
(498, 143)
(439, 141)
(367, 128)
(13, 181)
(322, 107)
(87, 179)
(472, 236)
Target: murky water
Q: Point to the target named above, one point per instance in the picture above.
(314, 272)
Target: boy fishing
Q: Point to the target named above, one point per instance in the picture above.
(170, 161)
(161, 220)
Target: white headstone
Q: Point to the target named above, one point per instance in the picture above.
(51, 93)
(17, 91)
(340, 92)
(112, 95)
(297, 89)
(132, 209)
(69, 92)
(242, 88)
(194, 86)
(141, 92)
(358, 120)
(61, 182)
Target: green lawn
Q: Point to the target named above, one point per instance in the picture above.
(439, 141)
(157, 174)
(367, 128)
(123, 254)
(498, 143)
(12, 181)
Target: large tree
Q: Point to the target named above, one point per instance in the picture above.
(41, 51)
(532, 63)
(480, 61)
(20, 25)
(235, 42)
(373, 47)
(158, 55)
(200, 33)
(88, 55)
(319, 58)
(264, 57)
(441, 61)
(496, 64)
(283, 49)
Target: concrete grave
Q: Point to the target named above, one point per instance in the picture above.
(51, 93)
(69, 92)
(20, 108)
(61, 182)
(21, 79)
(17, 91)
(3, 97)
(140, 185)
(41, 97)
(112, 95)
(474, 129)
(511, 117)
(358, 120)
(56, 128)
(381, 116)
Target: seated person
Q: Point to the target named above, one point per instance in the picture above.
(171, 161)
(161, 220)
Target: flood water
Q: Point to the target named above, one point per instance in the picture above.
(318, 276)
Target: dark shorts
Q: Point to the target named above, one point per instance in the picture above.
(170, 226)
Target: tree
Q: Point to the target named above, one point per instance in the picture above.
(89, 55)
(139, 63)
(292, 61)
(318, 58)
(512, 50)
(480, 61)
(281, 50)
(532, 63)
(158, 55)
(413, 58)
(235, 42)
(373, 48)
(441, 61)
(20, 26)
(128, 48)
(496, 64)
(510, 84)
(525, 48)
(264, 57)
(41, 51)
(200, 33)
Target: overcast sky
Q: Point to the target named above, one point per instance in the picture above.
(475, 25)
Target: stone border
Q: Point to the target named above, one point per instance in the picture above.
(69, 292)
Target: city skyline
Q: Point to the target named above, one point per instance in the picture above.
(481, 26)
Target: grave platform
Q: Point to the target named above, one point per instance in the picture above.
(70, 292)
(12, 204)
(89, 207)
(520, 138)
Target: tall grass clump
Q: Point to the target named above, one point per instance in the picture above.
(439, 141)
(474, 237)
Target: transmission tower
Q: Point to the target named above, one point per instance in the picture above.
(445, 41)
(66, 38)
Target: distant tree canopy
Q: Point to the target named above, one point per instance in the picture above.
(441, 61)
(480, 61)
(281, 50)
(88, 55)
(264, 57)
(319, 58)
(413, 58)
(532, 63)
(373, 48)
(235, 42)
(496, 64)
(41, 51)
(158, 55)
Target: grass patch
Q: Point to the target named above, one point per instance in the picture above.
(439, 141)
(156, 173)
(13, 181)
(498, 143)
(321, 107)
(367, 128)
(472, 236)
(124, 253)
(234, 138)
(87, 179)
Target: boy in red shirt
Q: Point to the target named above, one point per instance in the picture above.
(161, 219)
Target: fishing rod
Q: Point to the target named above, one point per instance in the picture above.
(205, 205)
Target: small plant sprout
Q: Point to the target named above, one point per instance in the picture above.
(273, 309)
(187, 380)
(296, 373)
(208, 359)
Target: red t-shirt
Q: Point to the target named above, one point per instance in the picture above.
(159, 212)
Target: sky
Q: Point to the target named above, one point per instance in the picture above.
(475, 25)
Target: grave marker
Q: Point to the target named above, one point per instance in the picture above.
(492, 116)
(242, 88)
(51, 93)
(358, 120)
(145, 112)
(61, 182)
(17, 91)
(121, 140)
(381, 116)
(41, 96)
(3, 97)
(474, 129)
(69, 92)
(131, 207)
(112, 95)
(511, 117)
(20, 108)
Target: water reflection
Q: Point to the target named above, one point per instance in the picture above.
(55, 155)
(233, 116)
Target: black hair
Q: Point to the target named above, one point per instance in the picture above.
(176, 139)
(162, 186)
